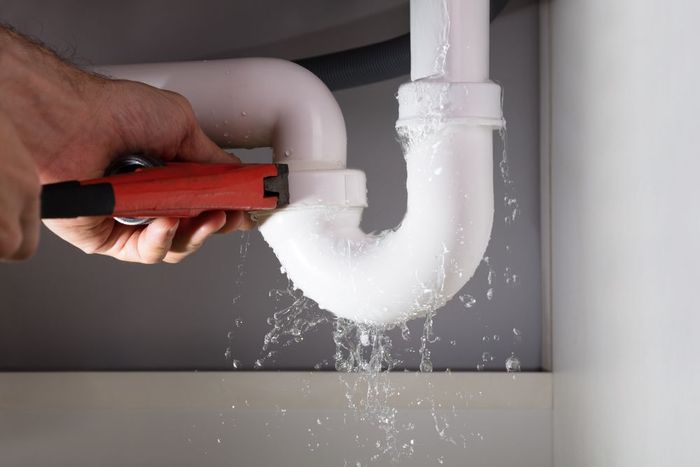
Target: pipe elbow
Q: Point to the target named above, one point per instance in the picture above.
(256, 102)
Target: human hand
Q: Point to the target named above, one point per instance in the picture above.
(73, 124)
(19, 197)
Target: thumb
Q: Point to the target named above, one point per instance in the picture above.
(197, 147)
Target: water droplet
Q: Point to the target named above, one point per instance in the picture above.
(244, 114)
(467, 300)
(489, 293)
(512, 364)
(288, 153)
(438, 171)
(364, 339)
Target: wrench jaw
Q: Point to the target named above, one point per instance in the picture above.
(278, 186)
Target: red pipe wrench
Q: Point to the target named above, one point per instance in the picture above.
(137, 188)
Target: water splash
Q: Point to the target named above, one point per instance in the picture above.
(510, 199)
(440, 63)
(512, 364)
(467, 300)
(291, 323)
(365, 351)
(239, 280)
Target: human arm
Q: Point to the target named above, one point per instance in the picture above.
(74, 123)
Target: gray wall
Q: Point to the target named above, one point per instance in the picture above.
(66, 310)
(625, 230)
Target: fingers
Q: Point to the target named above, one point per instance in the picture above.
(19, 232)
(199, 148)
(193, 232)
(164, 240)
(159, 123)
(29, 223)
(19, 197)
(10, 240)
(236, 220)
(154, 242)
(136, 244)
(195, 145)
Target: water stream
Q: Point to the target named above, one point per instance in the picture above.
(368, 353)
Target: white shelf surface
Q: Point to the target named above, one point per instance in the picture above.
(267, 390)
(251, 419)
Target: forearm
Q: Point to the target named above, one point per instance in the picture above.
(46, 98)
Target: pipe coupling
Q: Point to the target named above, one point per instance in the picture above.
(475, 104)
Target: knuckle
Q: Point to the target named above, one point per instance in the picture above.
(182, 102)
(10, 241)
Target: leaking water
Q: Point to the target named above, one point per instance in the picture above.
(368, 353)
(238, 283)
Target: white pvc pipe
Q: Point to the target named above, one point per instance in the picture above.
(405, 272)
(447, 125)
(448, 40)
(255, 102)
